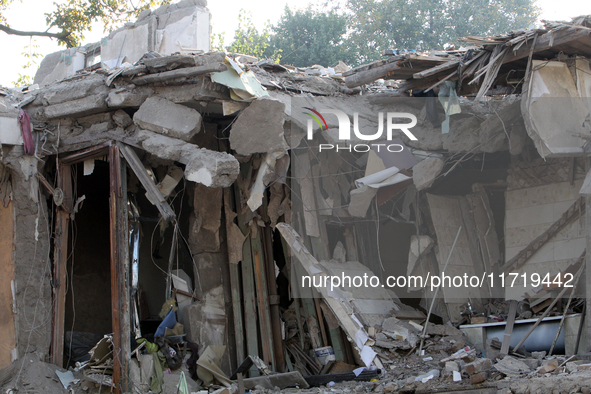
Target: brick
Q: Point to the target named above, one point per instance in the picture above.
(479, 365)
(478, 377)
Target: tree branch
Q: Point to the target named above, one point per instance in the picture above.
(8, 30)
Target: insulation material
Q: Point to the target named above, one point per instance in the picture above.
(244, 86)
(556, 112)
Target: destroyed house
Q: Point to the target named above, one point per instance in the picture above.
(151, 188)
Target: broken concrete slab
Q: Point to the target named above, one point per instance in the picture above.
(425, 172)
(360, 200)
(163, 116)
(122, 98)
(259, 128)
(121, 118)
(89, 105)
(512, 366)
(74, 89)
(166, 63)
(210, 168)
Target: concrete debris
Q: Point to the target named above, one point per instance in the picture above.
(210, 168)
(121, 118)
(512, 366)
(259, 128)
(89, 105)
(165, 117)
(425, 172)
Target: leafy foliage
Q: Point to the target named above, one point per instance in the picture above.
(308, 37)
(30, 53)
(249, 41)
(430, 24)
(77, 16)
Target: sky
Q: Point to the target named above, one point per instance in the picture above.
(29, 15)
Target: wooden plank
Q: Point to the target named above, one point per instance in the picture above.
(248, 288)
(136, 165)
(547, 41)
(119, 272)
(320, 322)
(262, 296)
(60, 253)
(235, 286)
(363, 77)
(434, 70)
(276, 321)
(89, 153)
(7, 327)
(509, 328)
(570, 215)
(241, 389)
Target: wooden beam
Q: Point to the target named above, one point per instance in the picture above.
(434, 70)
(138, 168)
(363, 77)
(571, 214)
(248, 288)
(119, 272)
(547, 41)
(278, 352)
(235, 286)
(262, 296)
(60, 259)
(86, 154)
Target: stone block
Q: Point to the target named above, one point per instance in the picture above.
(174, 120)
(121, 118)
(259, 128)
(548, 366)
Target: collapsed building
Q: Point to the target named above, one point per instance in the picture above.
(154, 175)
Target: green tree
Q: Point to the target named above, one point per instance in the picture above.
(430, 24)
(249, 41)
(308, 37)
(70, 19)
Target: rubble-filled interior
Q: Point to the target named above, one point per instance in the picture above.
(157, 207)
